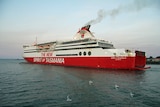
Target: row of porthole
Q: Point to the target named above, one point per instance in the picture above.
(85, 53)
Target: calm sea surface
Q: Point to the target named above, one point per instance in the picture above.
(24, 84)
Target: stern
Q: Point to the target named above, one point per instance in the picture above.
(140, 60)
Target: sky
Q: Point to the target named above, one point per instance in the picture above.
(130, 24)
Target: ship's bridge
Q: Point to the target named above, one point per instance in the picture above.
(105, 44)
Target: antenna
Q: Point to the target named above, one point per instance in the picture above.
(36, 40)
(35, 43)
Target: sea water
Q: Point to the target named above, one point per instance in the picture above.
(24, 84)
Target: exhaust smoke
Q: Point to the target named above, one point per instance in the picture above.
(135, 6)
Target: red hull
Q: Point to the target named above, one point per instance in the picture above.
(130, 63)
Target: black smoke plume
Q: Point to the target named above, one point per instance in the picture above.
(135, 6)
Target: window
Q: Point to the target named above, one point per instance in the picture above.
(80, 53)
(89, 53)
(84, 53)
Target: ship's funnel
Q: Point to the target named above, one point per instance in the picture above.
(84, 32)
(87, 27)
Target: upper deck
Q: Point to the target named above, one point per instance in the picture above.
(83, 39)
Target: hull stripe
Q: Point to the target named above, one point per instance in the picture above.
(91, 62)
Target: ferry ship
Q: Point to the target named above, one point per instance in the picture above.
(84, 50)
